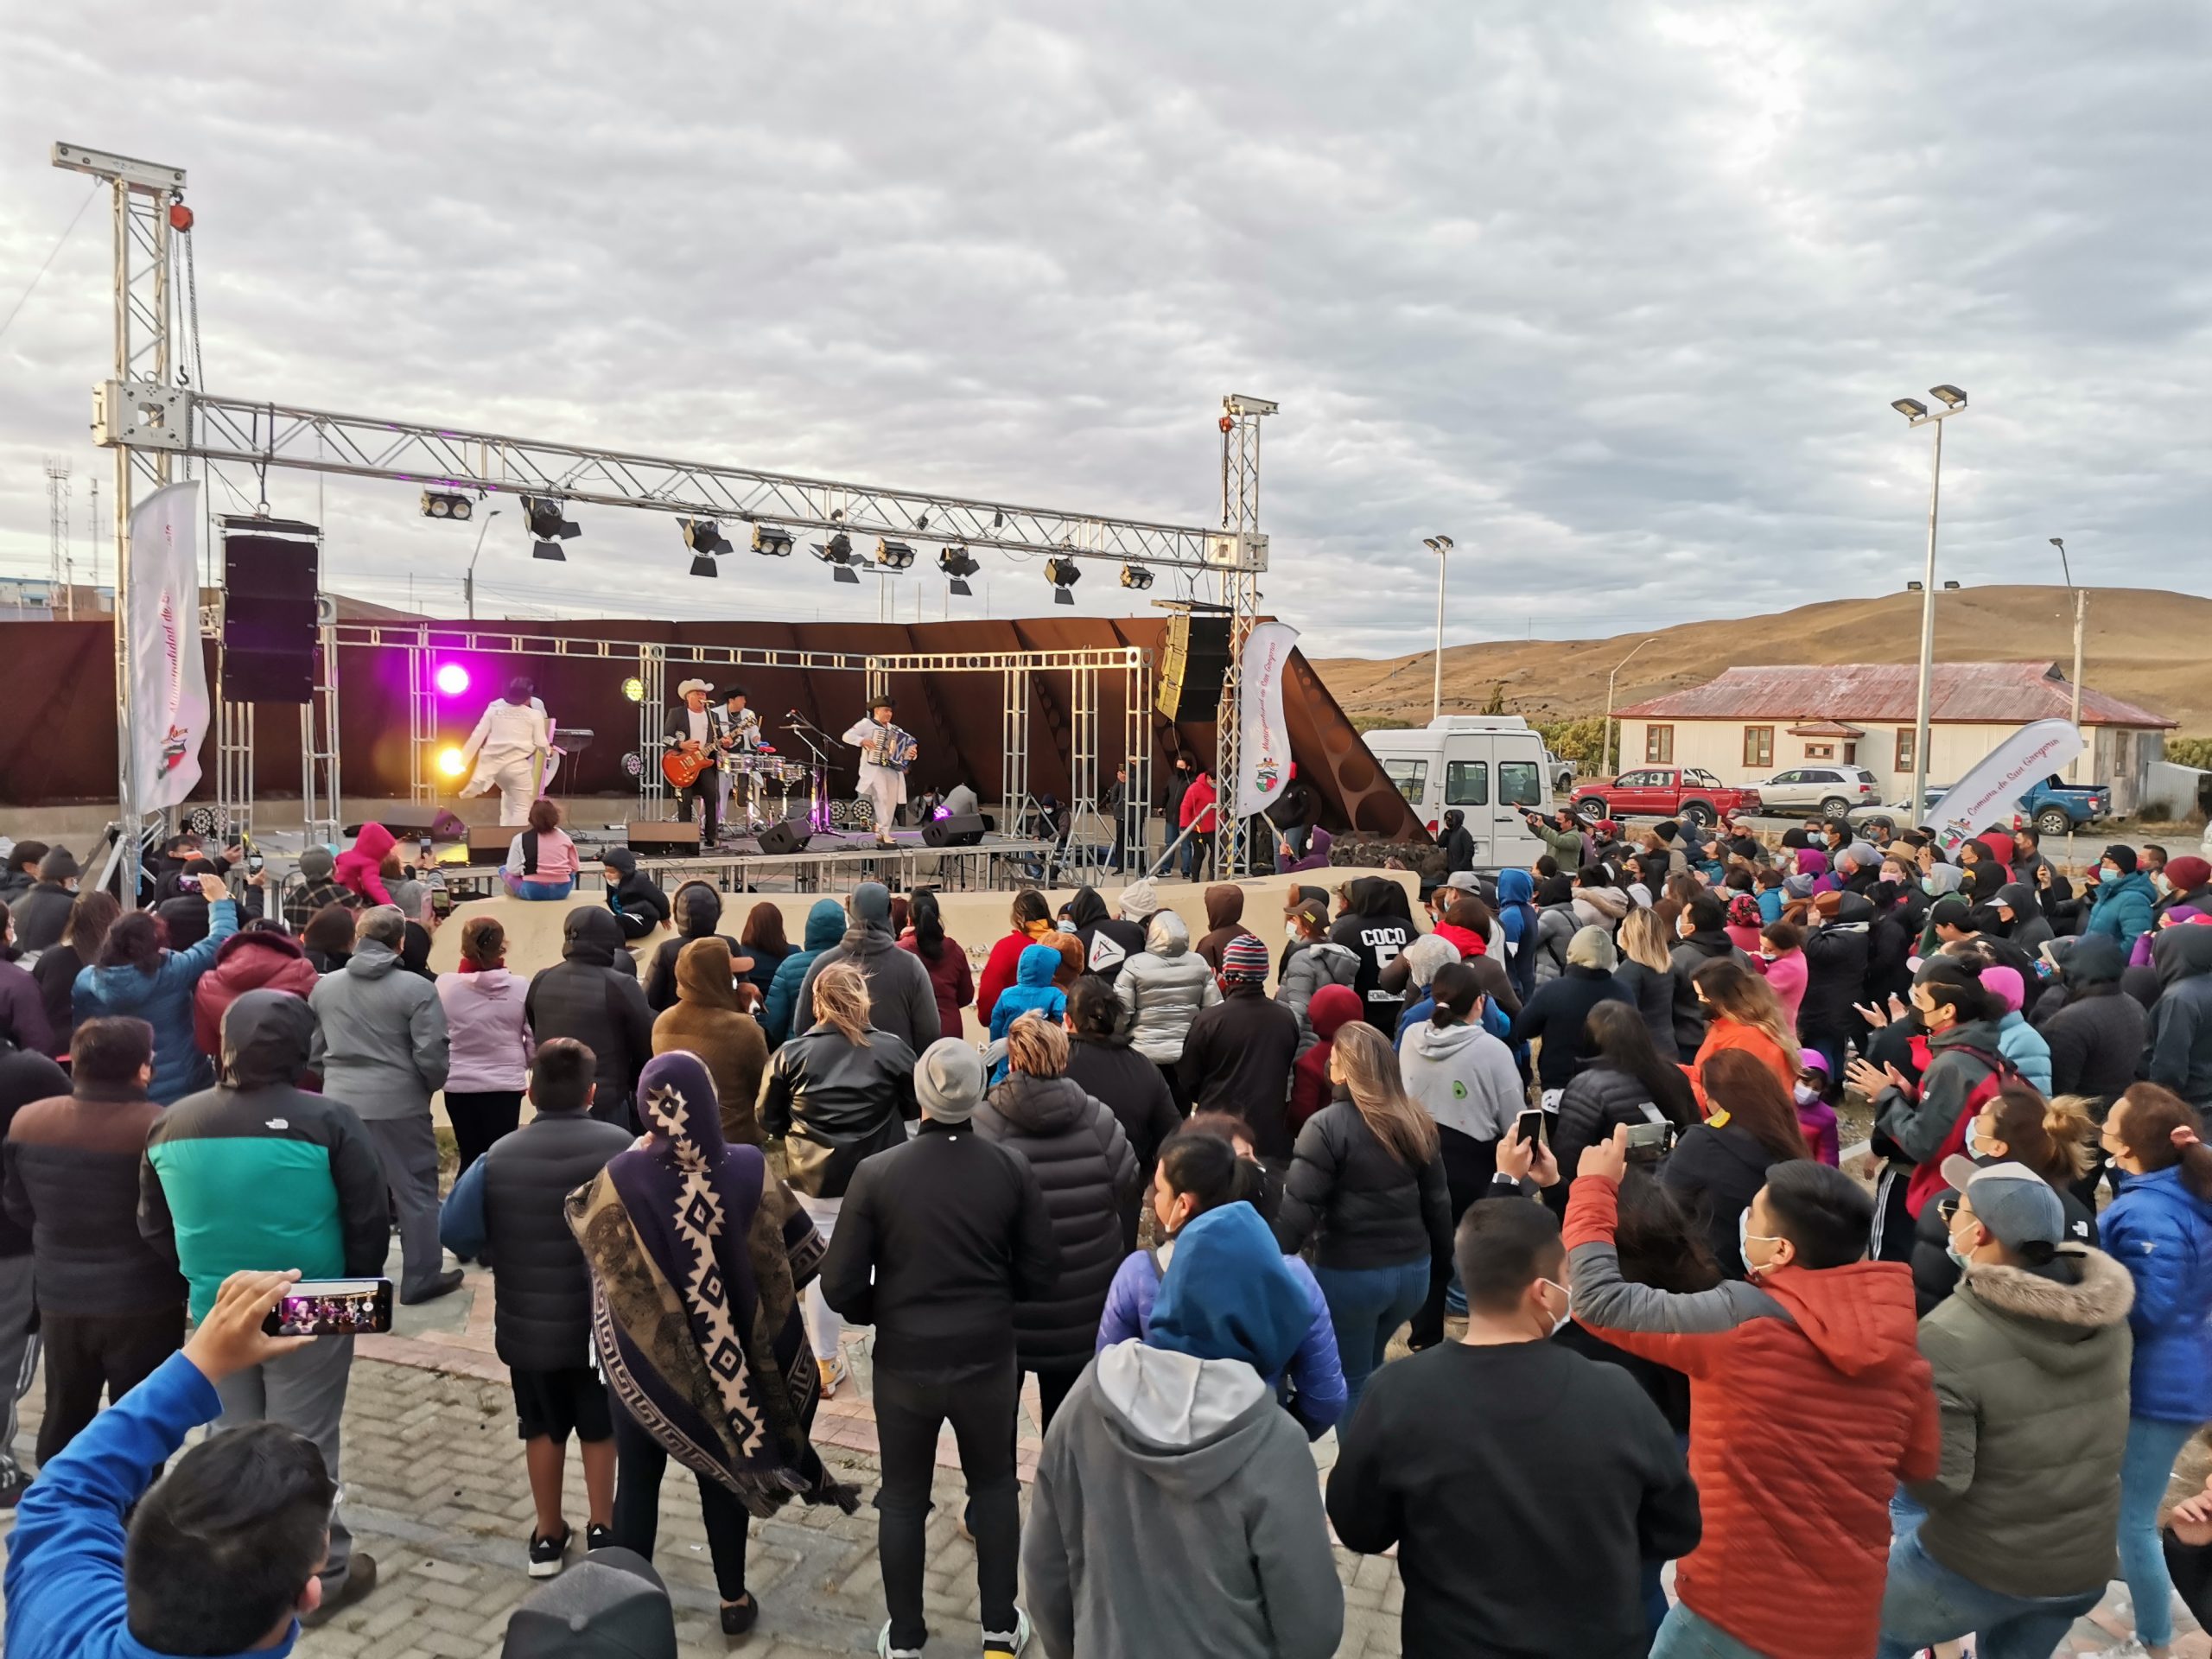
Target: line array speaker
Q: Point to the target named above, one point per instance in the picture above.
(1192, 665)
(269, 619)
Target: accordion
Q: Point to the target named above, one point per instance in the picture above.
(894, 750)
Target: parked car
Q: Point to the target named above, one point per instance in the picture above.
(1834, 791)
(1689, 792)
(2053, 805)
(1560, 771)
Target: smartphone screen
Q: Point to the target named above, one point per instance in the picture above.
(332, 1307)
(441, 902)
(1529, 1126)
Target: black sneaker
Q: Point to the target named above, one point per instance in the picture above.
(13, 1484)
(444, 1285)
(546, 1553)
(597, 1537)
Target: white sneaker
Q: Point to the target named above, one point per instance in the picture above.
(1005, 1646)
(885, 1651)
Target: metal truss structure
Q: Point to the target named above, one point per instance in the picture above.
(149, 420)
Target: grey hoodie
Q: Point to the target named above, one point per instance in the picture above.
(1176, 1512)
(900, 996)
(1465, 1078)
(379, 1036)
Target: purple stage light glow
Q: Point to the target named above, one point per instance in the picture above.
(452, 679)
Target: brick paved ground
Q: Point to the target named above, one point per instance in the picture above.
(434, 1490)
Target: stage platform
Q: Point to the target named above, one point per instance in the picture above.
(831, 863)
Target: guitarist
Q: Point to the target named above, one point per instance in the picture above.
(886, 753)
(696, 732)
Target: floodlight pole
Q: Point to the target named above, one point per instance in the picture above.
(1918, 806)
(1241, 554)
(1612, 725)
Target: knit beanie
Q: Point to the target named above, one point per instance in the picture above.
(2005, 985)
(1592, 947)
(1138, 901)
(949, 1080)
(2188, 872)
(2123, 855)
(318, 864)
(1244, 961)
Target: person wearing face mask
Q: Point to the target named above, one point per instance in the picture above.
(1794, 1547)
(1568, 1462)
(2123, 901)
(1312, 961)
(2015, 1126)
(2018, 1539)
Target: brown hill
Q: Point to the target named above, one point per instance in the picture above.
(2143, 644)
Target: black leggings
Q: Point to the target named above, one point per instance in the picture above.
(1052, 1385)
(981, 1403)
(2190, 1567)
(1469, 1167)
(479, 1119)
(639, 1463)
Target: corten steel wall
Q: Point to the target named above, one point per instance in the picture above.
(57, 741)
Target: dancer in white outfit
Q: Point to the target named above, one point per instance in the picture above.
(510, 748)
(886, 753)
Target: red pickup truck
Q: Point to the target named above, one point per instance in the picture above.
(1686, 793)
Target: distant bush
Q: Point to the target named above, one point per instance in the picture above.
(1582, 742)
(2190, 751)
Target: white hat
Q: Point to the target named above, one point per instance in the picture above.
(689, 686)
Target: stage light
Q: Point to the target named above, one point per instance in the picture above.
(959, 563)
(703, 536)
(634, 689)
(452, 679)
(838, 550)
(632, 765)
(1135, 576)
(1063, 574)
(452, 762)
(772, 540)
(438, 504)
(543, 514)
(894, 556)
(703, 566)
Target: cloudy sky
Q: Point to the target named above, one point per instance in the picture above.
(1614, 293)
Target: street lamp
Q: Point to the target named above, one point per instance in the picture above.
(1438, 545)
(2081, 627)
(1917, 414)
(1612, 726)
(468, 581)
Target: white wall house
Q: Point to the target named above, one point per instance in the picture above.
(1752, 722)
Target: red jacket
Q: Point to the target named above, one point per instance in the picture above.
(1334, 1007)
(1808, 1402)
(998, 966)
(247, 962)
(1197, 799)
(949, 978)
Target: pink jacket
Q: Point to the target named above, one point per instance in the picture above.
(488, 1043)
(357, 868)
(1786, 973)
(557, 858)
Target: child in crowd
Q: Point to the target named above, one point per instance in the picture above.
(1814, 1116)
(1031, 992)
(636, 899)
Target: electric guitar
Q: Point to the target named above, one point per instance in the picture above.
(683, 770)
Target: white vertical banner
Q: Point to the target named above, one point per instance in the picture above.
(1263, 742)
(168, 682)
(1988, 792)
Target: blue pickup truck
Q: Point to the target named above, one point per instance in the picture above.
(2053, 805)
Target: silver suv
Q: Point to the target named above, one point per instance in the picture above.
(1834, 791)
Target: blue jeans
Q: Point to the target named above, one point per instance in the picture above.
(2144, 1468)
(1685, 1635)
(1367, 1305)
(539, 892)
(1926, 1602)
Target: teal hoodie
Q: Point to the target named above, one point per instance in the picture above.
(825, 926)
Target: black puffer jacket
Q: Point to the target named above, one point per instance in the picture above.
(1370, 1209)
(1933, 1272)
(1088, 1171)
(1558, 1017)
(1601, 1098)
(1111, 1070)
(2096, 1036)
(1691, 952)
(1652, 990)
(637, 903)
(835, 1102)
(900, 998)
(592, 996)
(696, 912)
(1836, 957)
(1716, 1173)
(541, 1311)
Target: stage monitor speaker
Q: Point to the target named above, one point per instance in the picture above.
(410, 822)
(1192, 665)
(959, 829)
(786, 837)
(668, 840)
(269, 620)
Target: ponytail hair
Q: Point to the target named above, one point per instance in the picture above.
(841, 999)
(2051, 1137)
(2147, 1131)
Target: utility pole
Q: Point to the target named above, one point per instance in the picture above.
(57, 533)
(468, 577)
(2080, 629)
(1917, 414)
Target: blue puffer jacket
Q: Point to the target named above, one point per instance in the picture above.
(825, 926)
(2161, 1232)
(163, 1000)
(2125, 907)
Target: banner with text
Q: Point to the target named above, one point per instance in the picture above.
(1987, 794)
(168, 682)
(1263, 741)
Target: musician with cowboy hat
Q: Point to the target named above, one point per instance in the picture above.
(696, 731)
(886, 753)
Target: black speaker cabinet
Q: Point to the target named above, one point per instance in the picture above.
(961, 829)
(410, 822)
(786, 837)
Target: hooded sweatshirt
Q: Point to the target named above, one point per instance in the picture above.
(357, 869)
(488, 1046)
(706, 1020)
(163, 1000)
(1162, 988)
(1516, 915)
(900, 998)
(1796, 1549)
(256, 1171)
(246, 961)
(591, 996)
(1379, 926)
(1307, 967)
(636, 899)
(2179, 1055)
(380, 1039)
(825, 926)
(1464, 1076)
(1334, 1007)
(1225, 922)
(1108, 940)
(695, 912)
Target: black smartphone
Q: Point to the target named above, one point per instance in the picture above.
(441, 902)
(1529, 1126)
(1649, 1141)
(332, 1307)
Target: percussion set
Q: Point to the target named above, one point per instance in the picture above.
(766, 788)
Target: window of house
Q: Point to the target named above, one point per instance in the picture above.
(1819, 751)
(1658, 746)
(1907, 736)
(1411, 778)
(1520, 783)
(1466, 783)
(1758, 746)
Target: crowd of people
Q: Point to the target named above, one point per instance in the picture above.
(1201, 1191)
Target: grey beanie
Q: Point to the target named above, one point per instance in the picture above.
(318, 864)
(949, 1080)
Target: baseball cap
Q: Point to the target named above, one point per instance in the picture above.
(2011, 1199)
(949, 1080)
(610, 1606)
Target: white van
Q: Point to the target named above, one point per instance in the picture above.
(1491, 768)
